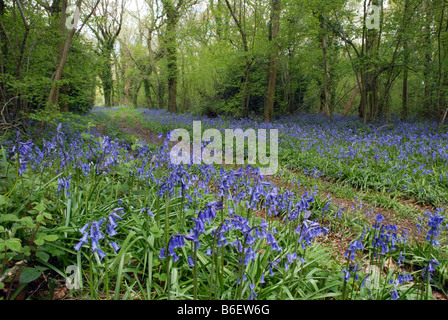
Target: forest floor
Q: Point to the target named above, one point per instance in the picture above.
(337, 242)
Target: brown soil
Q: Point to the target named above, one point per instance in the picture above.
(140, 132)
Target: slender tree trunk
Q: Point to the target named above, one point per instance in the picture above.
(147, 87)
(136, 90)
(64, 102)
(217, 13)
(326, 93)
(272, 77)
(245, 92)
(441, 75)
(106, 74)
(404, 93)
(404, 101)
(53, 97)
(371, 72)
(245, 80)
(349, 105)
(427, 71)
(156, 76)
(3, 56)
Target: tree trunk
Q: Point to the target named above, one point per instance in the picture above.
(404, 101)
(326, 93)
(106, 72)
(217, 13)
(53, 97)
(172, 19)
(147, 87)
(245, 80)
(349, 105)
(442, 79)
(272, 77)
(245, 91)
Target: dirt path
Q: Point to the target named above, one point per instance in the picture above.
(138, 131)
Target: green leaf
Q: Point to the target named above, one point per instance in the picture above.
(39, 241)
(48, 215)
(8, 217)
(156, 231)
(41, 206)
(86, 136)
(40, 268)
(27, 222)
(51, 237)
(43, 256)
(161, 277)
(54, 251)
(28, 275)
(26, 250)
(13, 244)
(40, 217)
(124, 187)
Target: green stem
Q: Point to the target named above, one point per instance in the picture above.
(167, 213)
(106, 275)
(214, 249)
(195, 273)
(168, 279)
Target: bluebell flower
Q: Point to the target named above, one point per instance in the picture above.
(431, 265)
(115, 246)
(435, 220)
(83, 240)
(273, 265)
(404, 277)
(162, 253)
(355, 245)
(249, 255)
(176, 241)
(378, 220)
(345, 274)
(209, 252)
(401, 259)
(352, 270)
(394, 294)
(262, 278)
(148, 211)
(252, 295)
(190, 261)
(291, 257)
(64, 184)
(84, 228)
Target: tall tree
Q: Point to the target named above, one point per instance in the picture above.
(325, 99)
(272, 74)
(106, 26)
(248, 58)
(173, 10)
(172, 18)
(64, 49)
(406, 54)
